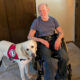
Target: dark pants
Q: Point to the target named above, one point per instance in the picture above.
(62, 57)
(45, 54)
(62, 65)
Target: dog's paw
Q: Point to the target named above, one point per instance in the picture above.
(31, 76)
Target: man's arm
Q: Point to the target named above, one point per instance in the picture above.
(60, 36)
(31, 35)
(59, 30)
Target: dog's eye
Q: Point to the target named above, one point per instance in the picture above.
(32, 46)
(27, 49)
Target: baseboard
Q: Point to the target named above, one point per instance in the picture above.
(70, 42)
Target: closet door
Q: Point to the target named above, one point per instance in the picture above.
(77, 23)
(20, 15)
(4, 31)
(16, 17)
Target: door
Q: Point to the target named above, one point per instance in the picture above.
(4, 31)
(19, 15)
(77, 23)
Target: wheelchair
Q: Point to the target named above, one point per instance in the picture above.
(39, 62)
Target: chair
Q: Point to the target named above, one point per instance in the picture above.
(39, 62)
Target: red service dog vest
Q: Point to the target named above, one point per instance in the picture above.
(12, 53)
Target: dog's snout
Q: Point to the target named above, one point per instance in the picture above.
(33, 55)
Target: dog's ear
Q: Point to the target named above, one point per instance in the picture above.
(22, 49)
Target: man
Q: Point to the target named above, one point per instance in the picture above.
(44, 26)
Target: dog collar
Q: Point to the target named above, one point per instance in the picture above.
(12, 53)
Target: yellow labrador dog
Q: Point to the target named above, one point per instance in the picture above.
(21, 53)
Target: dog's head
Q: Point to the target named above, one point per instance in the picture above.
(30, 48)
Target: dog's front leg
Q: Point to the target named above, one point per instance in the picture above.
(27, 68)
(21, 67)
(29, 75)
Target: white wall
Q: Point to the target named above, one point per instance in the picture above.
(63, 11)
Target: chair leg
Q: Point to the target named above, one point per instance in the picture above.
(39, 75)
(69, 71)
(41, 70)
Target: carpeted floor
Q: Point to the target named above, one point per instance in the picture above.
(74, 56)
(12, 73)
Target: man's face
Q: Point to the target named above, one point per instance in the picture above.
(43, 11)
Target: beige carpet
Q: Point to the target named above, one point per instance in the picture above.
(12, 73)
(74, 56)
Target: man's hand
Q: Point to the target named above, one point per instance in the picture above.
(46, 43)
(57, 44)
